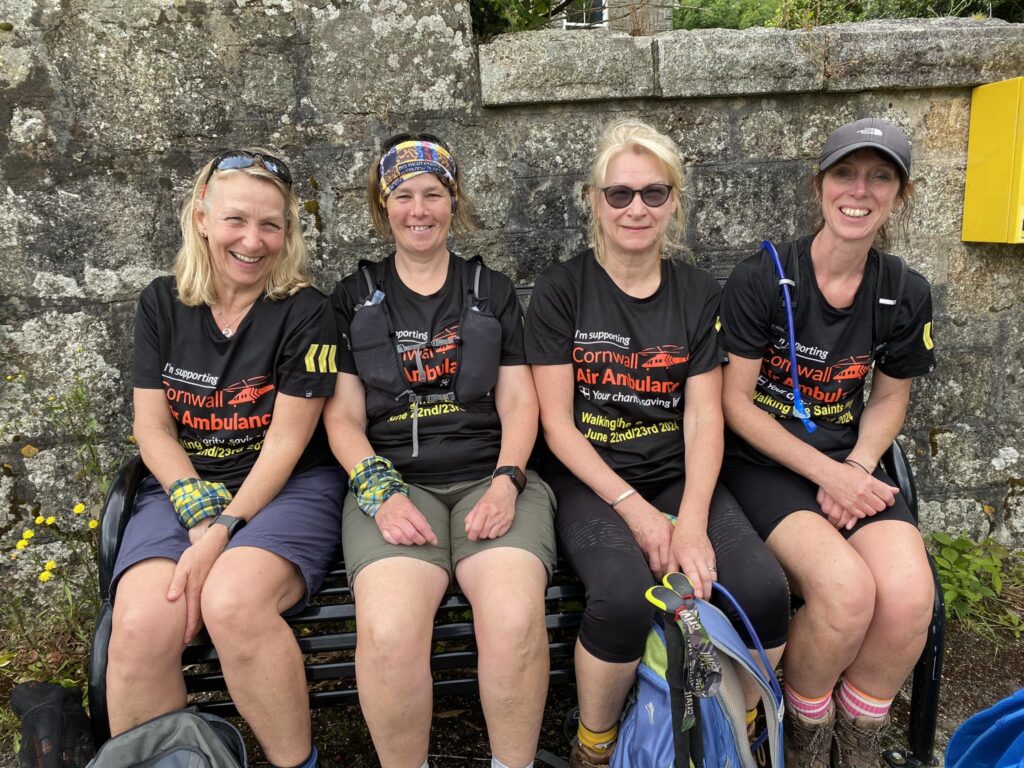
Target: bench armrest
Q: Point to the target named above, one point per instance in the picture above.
(117, 508)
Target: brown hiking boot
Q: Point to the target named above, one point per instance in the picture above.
(858, 741)
(807, 743)
(579, 758)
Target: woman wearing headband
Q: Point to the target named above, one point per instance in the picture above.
(813, 488)
(434, 419)
(625, 357)
(234, 355)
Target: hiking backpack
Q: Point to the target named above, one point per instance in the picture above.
(186, 738)
(54, 727)
(891, 279)
(993, 738)
(652, 732)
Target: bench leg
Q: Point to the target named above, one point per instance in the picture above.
(924, 692)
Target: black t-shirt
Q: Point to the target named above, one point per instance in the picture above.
(834, 347)
(457, 441)
(630, 357)
(221, 390)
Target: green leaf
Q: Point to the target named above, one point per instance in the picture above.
(950, 554)
(951, 595)
(942, 537)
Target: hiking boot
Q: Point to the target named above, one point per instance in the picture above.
(858, 741)
(578, 758)
(807, 743)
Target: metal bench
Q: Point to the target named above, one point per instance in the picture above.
(327, 636)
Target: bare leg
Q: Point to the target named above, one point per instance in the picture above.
(243, 598)
(506, 589)
(839, 598)
(904, 596)
(751, 691)
(396, 599)
(601, 688)
(144, 657)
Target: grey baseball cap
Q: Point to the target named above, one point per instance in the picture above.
(870, 133)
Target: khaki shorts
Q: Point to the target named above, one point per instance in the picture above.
(446, 508)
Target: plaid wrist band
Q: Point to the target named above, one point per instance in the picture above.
(195, 500)
(373, 481)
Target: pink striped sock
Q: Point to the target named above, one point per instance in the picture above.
(809, 709)
(856, 703)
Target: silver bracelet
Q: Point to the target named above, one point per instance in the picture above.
(623, 496)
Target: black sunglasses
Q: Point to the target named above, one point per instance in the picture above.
(240, 158)
(653, 195)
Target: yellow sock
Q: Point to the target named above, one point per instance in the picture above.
(597, 742)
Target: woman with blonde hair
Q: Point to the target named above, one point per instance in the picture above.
(434, 419)
(234, 356)
(625, 358)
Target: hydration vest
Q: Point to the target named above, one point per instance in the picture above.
(891, 280)
(378, 353)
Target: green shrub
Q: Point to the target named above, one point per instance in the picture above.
(982, 583)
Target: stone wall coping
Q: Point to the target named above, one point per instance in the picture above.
(560, 66)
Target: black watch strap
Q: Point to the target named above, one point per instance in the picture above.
(515, 473)
(233, 524)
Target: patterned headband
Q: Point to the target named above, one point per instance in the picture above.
(411, 158)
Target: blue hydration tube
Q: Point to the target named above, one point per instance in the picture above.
(784, 283)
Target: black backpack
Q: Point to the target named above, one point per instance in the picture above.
(186, 738)
(891, 280)
(54, 727)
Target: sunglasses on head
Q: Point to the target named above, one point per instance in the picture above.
(239, 158)
(653, 195)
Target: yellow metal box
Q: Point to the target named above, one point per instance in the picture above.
(994, 192)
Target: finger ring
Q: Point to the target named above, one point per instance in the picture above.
(712, 569)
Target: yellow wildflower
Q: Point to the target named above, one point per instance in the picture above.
(27, 534)
(94, 523)
(10, 377)
(51, 520)
(21, 544)
(45, 576)
(40, 520)
(50, 565)
(79, 508)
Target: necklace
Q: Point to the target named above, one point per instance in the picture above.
(228, 329)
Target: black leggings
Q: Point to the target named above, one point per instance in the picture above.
(601, 549)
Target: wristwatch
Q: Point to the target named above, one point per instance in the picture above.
(517, 476)
(233, 524)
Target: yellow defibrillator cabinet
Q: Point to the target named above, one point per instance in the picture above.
(994, 191)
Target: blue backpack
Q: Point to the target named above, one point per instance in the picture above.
(652, 735)
(993, 738)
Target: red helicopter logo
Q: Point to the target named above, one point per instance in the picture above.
(664, 356)
(249, 390)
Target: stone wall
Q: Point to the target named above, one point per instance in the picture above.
(108, 106)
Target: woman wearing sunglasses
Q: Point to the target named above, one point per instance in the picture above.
(815, 491)
(434, 419)
(234, 356)
(625, 357)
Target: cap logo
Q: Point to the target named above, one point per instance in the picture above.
(870, 131)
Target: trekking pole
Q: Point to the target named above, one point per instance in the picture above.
(683, 709)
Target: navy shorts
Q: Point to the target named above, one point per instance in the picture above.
(768, 494)
(302, 524)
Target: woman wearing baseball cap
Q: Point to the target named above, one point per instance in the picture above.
(803, 447)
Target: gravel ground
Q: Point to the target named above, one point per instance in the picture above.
(976, 675)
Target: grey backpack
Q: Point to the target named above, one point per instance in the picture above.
(183, 739)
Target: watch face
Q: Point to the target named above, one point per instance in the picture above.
(517, 476)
